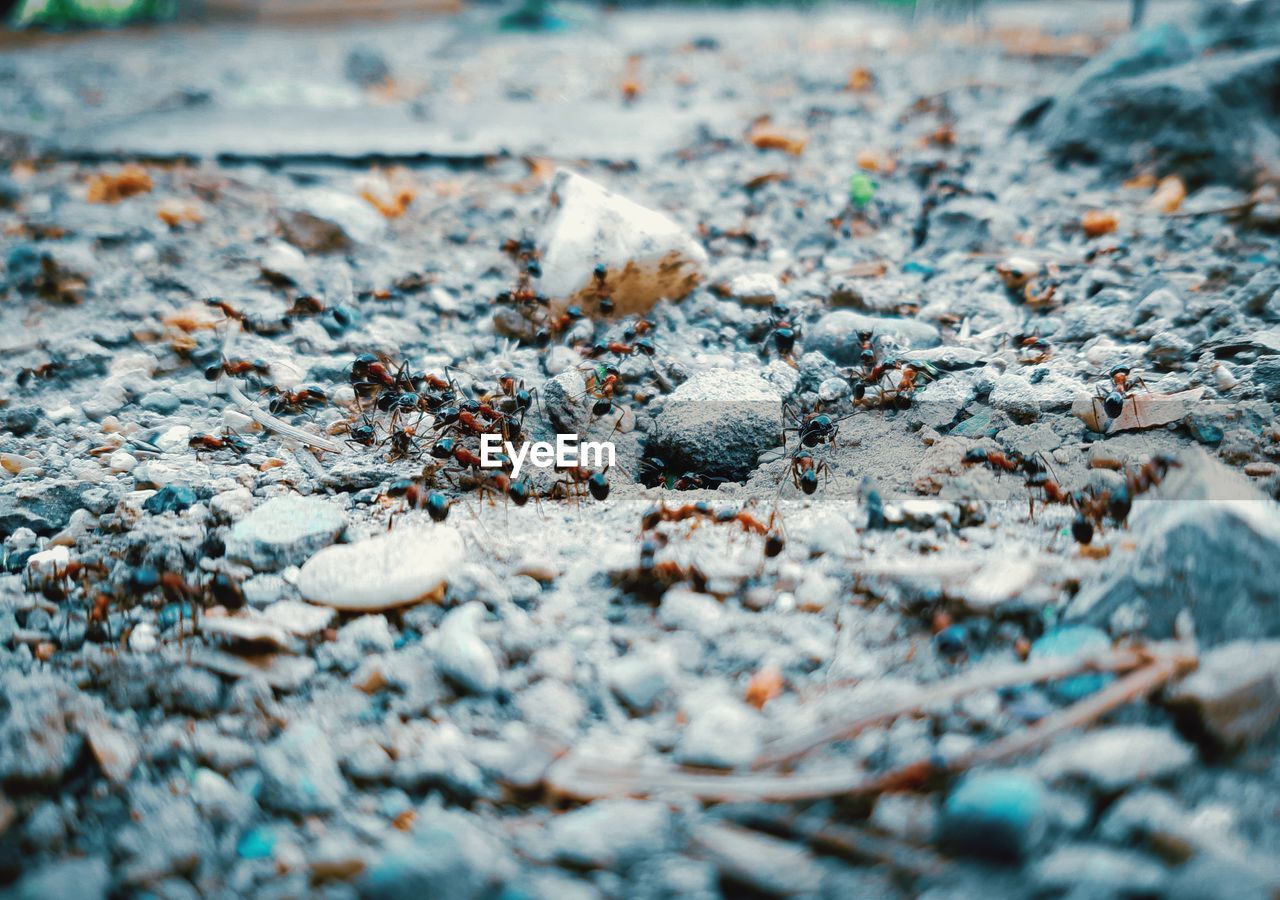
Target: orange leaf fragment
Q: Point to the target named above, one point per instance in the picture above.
(112, 187)
(861, 80)
(1168, 196)
(389, 192)
(764, 136)
(1098, 222)
(765, 685)
(174, 212)
(876, 161)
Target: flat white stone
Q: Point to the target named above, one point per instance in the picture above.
(245, 628)
(399, 568)
(648, 256)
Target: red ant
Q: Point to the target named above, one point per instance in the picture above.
(1121, 390)
(804, 470)
(782, 330)
(576, 477)
(417, 497)
(237, 368)
(296, 401)
(306, 305)
(604, 293)
(228, 440)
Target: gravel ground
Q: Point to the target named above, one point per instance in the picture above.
(934, 559)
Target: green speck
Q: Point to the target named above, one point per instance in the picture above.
(862, 189)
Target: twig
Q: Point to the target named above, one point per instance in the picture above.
(582, 777)
(266, 420)
(1133, 686)
(849, 841)
(848, 723)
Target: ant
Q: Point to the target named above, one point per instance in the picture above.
(1113, 401)
(597, 483)
(782, 330)
(1093, 507)
(811, 429)
(296, 401)
(655, 471)
(805, 470)
(1032, 348)
(641, 346)
(237, 368)
(604, 293)
(1007, 462)
(228, 440)
(653, 576)
(663, 513)
(416, 496)
(306, 305)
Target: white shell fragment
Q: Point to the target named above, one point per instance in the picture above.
(399, 568)
(649, 257)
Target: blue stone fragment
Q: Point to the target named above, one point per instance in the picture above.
(257, 843)
(170, 498)
(996, 815)
(1067, 641)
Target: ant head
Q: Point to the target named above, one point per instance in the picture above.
(534, 268)
(443, 448)
(399, 487)
(601, 272)
(645, 346)
(447, 414)
(976, 455)
(1120, 371)
(574, 313)
(864, 336)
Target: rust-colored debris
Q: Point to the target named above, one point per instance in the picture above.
(112, 187)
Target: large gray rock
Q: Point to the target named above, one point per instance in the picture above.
(611, 834)
(300, 773)
(718, 423)
(970, 225)
(448, 854)
(323, 221)
(38, 739)
(835, 335)
(1148, 103)
(1235, 692)
(1207, 542)
(647, 255)
(285, 531)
